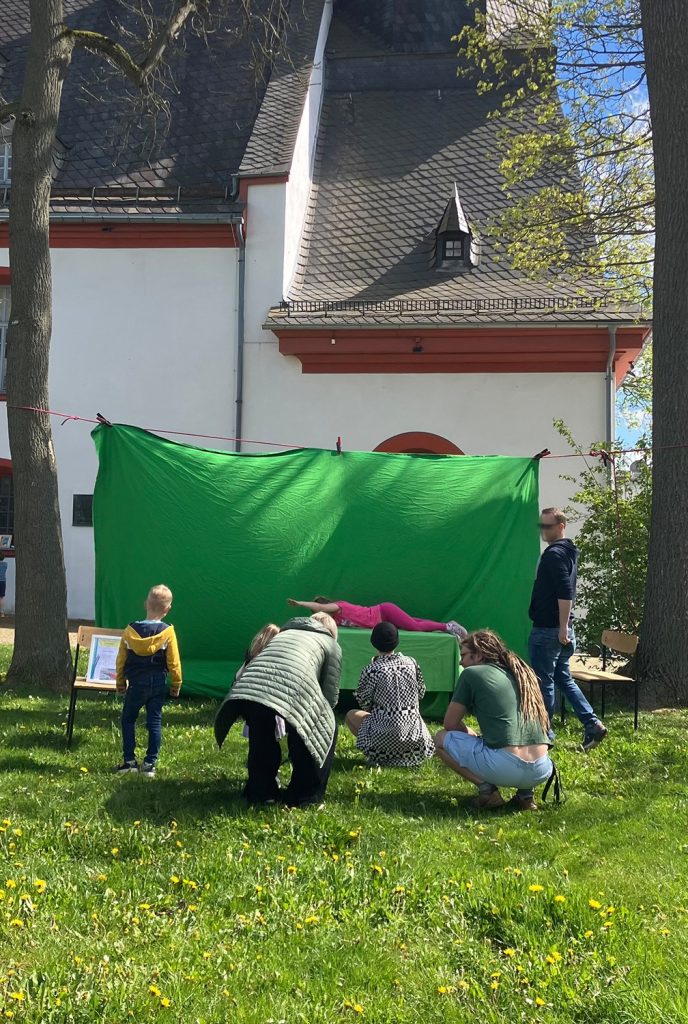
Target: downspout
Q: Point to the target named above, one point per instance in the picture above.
(239, 407)
(610, 391)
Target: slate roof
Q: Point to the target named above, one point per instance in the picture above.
(398, 133)
(213, 109)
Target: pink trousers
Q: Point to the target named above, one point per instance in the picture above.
(394, 614)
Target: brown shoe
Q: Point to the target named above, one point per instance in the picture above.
(522, 803)
(489, 803)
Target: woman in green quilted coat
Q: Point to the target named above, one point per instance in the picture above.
(295, 676)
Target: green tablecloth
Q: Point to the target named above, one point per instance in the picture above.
(436, 653)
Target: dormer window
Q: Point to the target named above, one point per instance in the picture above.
(453, 248)
(457, 244)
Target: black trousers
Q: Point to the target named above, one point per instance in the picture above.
(308, 779)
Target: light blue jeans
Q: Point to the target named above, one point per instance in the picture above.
(550, 662)
(499, 767)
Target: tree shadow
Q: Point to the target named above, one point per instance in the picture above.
(158, 802)
(48, 739)
(21, 763)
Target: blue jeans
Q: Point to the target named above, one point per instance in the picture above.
(149, 693)
(550, 662)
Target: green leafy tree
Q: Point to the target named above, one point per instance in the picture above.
(594, 96)
(613, 538)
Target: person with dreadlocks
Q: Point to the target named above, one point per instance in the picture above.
(503, 693)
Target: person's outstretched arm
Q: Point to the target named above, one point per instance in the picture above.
(313, 606)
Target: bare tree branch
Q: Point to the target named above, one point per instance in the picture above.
(139, 71)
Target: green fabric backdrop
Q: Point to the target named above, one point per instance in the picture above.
(235, 535)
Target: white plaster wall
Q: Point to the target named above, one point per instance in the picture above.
(484, 414)
(264, 257)
(143, 336)
(301, 173)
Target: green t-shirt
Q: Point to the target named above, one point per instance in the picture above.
(491, 694)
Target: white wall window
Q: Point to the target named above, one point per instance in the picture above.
(4, 321)
(5, 162)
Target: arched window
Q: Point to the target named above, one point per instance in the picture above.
(418, 442)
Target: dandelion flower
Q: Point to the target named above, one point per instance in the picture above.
(16, 923)
(17, 832)
(588, 934)
(175, 879)
(165, 1002)
(357, 1008)
(18, 997)
(312, 919)
(509, 951)
(664, 931)
(40, 885)
(355, 833)
(463, 985)
(539, 1001)
(114, 851)
(102, 878)
(377, 870)
(84, 769)
(594, 904)
(494, 985)
(536, 888)
(10, 884)
(291, 870)
(560, 899)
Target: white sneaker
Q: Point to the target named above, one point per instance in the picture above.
(147, 769)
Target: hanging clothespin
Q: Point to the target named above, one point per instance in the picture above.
(339, 446)
(604, 456)
(541, 455)
(103, 422)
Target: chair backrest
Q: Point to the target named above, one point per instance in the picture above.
(624, 643)
(86, 633)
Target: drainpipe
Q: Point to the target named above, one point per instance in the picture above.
(610, 389)
(239, 408)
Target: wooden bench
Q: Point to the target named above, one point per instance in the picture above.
(620, 643)
(81, 684)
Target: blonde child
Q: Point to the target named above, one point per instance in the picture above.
(258, 644)
(148, 653)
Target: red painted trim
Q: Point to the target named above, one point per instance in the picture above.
(5, 276)
(473, 349)
(5, 467)
(245, 183)
(112, 235)
(420, 442)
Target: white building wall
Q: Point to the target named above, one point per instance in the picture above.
(301, 173)
(484, 414)
(143, 336)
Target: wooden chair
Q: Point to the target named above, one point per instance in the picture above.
(79, 683)
(620, 643)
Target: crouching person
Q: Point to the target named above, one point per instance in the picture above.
(297, 677)
(503, 693)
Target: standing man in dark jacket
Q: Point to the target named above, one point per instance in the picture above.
(552, 641)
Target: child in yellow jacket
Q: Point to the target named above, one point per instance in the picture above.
(148, 653)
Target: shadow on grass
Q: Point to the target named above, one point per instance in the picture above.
(160, 800)
(48, 739)
(20, 763)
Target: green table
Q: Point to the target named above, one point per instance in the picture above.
(436, 653)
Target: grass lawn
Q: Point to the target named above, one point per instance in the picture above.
(123, 898)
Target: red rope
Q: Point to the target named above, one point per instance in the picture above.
(595, 453)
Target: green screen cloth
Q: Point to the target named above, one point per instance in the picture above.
(436, 653)
(235, 535)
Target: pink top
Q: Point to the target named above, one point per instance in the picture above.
(357, 615)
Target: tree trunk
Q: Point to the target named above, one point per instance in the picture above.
(661, 658)
(41, 651)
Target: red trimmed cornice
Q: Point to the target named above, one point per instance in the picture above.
(551, 349)
(5, 275)
(132, 235)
